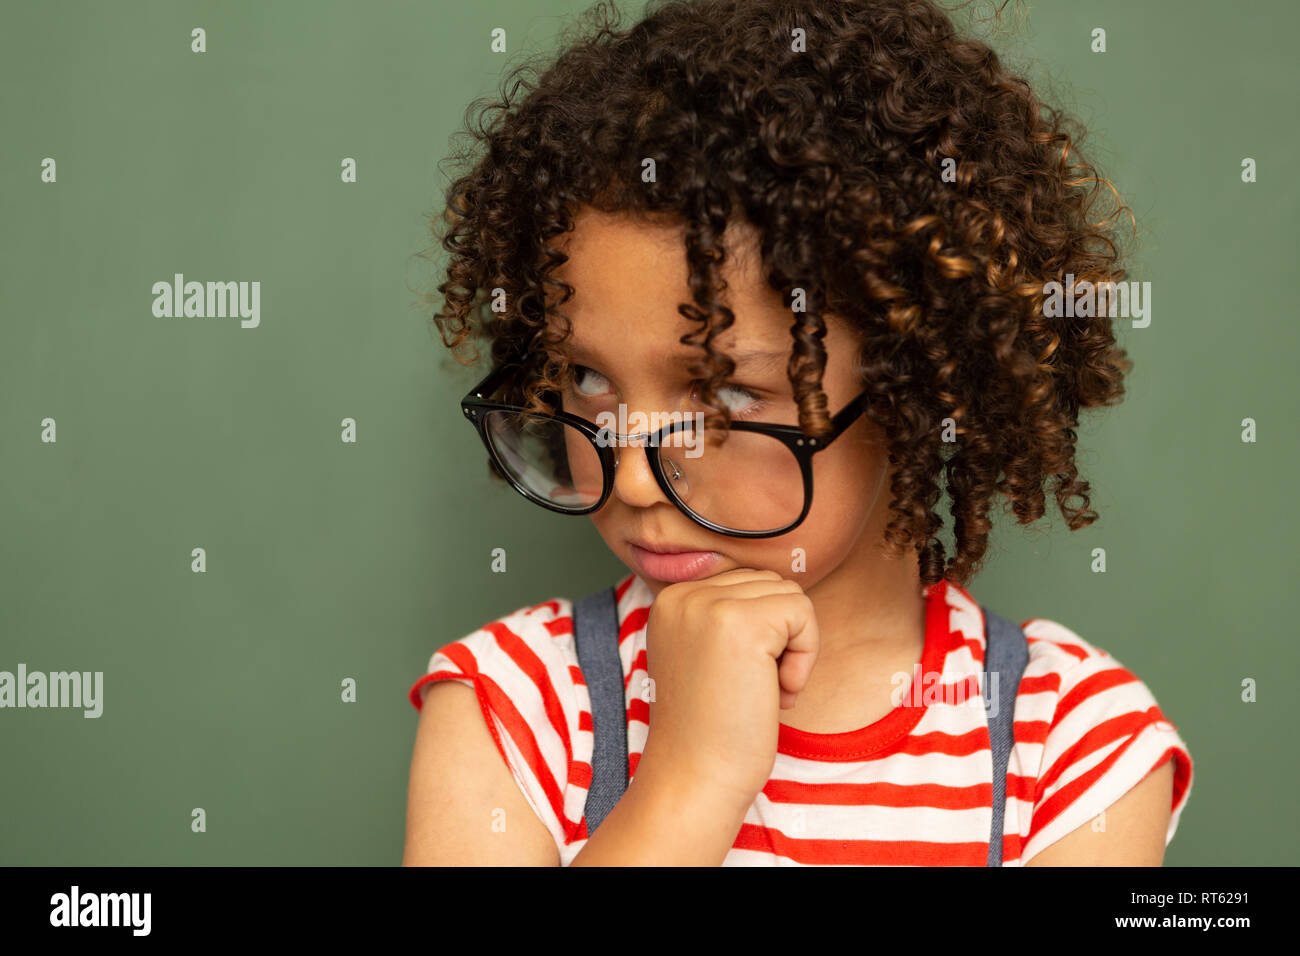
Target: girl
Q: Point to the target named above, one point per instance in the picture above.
(818, 233)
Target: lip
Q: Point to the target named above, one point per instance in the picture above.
(672, 563)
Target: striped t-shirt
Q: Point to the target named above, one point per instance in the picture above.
(912, 788)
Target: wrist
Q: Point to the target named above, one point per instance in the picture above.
(690, 799)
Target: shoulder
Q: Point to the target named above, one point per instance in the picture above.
(524, 669)
(532, 645)
(1075, 676)
(1088, 730)
(527, 652)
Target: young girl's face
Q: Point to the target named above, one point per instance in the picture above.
(624, 348)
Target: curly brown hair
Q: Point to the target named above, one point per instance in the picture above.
(834, 153)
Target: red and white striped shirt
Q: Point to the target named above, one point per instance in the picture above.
(912, 788)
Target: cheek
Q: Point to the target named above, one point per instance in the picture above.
(606, 525)
(847, 491)
(847, 483)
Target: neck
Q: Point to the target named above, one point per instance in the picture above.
(869, 601)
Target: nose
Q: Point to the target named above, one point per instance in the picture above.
(634, 483)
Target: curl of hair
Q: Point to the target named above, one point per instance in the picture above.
(834, 156)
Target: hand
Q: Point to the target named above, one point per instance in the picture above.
(726, 654)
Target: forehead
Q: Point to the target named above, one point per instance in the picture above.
(629, 275)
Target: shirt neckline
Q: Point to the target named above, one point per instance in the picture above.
(899, 722)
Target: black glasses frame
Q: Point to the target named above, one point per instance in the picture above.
(476, 406)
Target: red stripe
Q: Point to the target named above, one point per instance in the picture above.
(1182, 772)
(1011, 847)
(1051, 808)
(1042, 684)
(1031, 731)
(926, 693)
(462, 657)
(528, 662)
(580, 774)
(633, 622)
(1107, 732)
(931, 795)
(1020, 787)
(935, 742)
(1091, 687)
(414, 695)
(639, 663)
(938, 742)
(1073, 649)
(524, 740)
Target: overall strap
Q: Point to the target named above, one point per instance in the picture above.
(1006, 654)
(595, 631)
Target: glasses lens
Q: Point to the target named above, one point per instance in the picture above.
(555, 462)
(741, 480)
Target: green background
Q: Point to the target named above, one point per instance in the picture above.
(328, 560)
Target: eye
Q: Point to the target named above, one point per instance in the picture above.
(587, 381)
(740, 401)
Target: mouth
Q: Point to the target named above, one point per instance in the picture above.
(671, 563)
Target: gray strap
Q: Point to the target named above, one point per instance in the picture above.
(595, 630)
(1006, 654)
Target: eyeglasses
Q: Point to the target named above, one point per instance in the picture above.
(757, 483)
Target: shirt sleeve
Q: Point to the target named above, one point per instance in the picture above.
(1107, 733)
(522, 675)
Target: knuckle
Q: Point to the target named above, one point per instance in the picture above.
(691, 602)
(718, 611)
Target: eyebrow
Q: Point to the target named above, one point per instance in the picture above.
(749, 360)
(760, 359)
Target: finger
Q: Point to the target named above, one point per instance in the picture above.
(740, 576)
(800, 654)
(753, 590)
